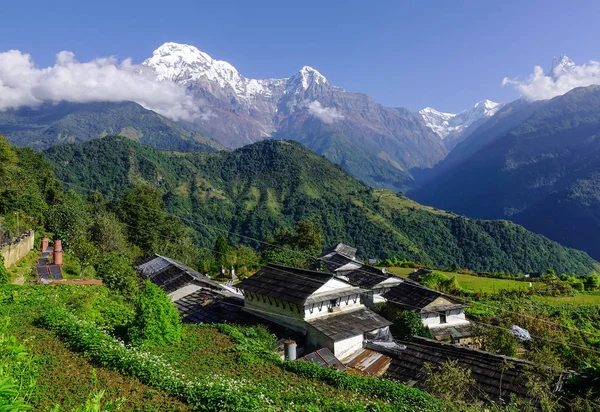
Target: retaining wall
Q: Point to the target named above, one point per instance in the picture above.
(13, 252)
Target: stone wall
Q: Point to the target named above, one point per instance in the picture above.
(14, 252)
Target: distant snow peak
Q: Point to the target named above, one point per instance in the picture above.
(185, 64)
(302, 80)
(449, 124)
(561, 65)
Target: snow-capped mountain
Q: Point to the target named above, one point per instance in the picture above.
(451, 127)
(561, 65)
(375, 143)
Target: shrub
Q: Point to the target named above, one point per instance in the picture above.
(156, 321)
(448, 381)
(409, 324)
(4, 278)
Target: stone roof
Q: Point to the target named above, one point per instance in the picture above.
(171, 275)
(293, 285)
(415, 297)
(490, 371)
(339, 326)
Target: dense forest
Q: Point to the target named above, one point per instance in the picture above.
(252, 193)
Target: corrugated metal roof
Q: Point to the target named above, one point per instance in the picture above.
(324, 358)
(368, 362)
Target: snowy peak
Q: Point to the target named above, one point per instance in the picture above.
(561, 65)
(185, 64)
(452, 125)
(301, 81)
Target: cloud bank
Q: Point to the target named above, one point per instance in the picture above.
(541, 86)
(327, 115)
(102, 79)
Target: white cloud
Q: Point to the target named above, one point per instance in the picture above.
(327, 115)
(541, 86)
(102, 79)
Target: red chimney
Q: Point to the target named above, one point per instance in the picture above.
(58, 252)
(44, 245)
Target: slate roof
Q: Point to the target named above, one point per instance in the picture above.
(343, 249)
(486, 368)
(367, 277)
(415, 297)
(452, 331)
(334, 261)
(346, 325)
(292, 285)
(171, 275)
(364, 276)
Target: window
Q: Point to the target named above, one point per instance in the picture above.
(443, 318)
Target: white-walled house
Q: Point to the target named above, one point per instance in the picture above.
(342, 262)
(442, 314)
(326, 309)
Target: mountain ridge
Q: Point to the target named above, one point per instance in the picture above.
(257, 189)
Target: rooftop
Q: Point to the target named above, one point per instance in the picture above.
(496, 376)
(415, 297)
(293, 285)
(339, 326)
(172, 275)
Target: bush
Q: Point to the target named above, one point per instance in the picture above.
(409, 324)
(156, 321)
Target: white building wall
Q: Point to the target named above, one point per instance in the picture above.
(348, 346)
(453, 317)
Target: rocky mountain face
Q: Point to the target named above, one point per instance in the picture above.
(377, 144)
(536, 163)
(454, 128)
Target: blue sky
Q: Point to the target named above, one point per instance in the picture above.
(445, 54)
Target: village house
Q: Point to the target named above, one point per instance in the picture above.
(342, 262)
(326, 309)
(180, 281)
(442, 314)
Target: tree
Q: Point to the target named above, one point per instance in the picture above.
(448, 381)
(592, 282)
(156, 321)
(117, 273)
(109, 233)
(409, 324)
(143, 211)
(68, 220)
(86, 252)
(224, 255)
(500, 341)
(308, 236)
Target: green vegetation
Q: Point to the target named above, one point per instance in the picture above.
(64, 122)
(408, 324)
(263, 188)
(157, 320)
(473, 283)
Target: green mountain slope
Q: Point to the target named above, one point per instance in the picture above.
(51, 124)
(257, 189)
(542, 173)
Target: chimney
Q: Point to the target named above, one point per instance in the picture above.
(44, 244)
(58, 252)
(289, 349)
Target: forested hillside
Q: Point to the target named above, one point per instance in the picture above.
(536, 164)
(258, 189)
(51, 124)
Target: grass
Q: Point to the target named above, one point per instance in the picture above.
(206, 351)
(67, 378)
(584, 299)
(474, 283)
